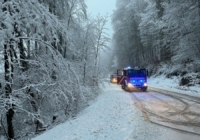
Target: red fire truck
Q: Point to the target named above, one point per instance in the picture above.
(131, 78)
(113, 78)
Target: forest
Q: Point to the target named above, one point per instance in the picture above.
(162, 35)
(50, 53)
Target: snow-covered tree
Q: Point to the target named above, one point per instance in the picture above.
(151, 32)
(101, 44)
(127, 38)
(43, 44)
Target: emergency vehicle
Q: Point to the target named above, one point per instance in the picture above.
(113, 78)
(132, 78)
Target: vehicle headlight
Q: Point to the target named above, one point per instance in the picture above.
(130, 85)
(114, 79)
(145, 84)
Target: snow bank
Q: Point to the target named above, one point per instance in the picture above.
(108, 118)
(172, 84)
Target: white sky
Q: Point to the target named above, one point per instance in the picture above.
(102, 7)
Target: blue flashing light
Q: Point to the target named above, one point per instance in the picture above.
(137, 81)
(141, 81)
(133, 81)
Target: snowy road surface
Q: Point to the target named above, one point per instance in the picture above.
(115, 115)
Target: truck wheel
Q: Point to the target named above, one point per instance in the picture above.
(124, 85)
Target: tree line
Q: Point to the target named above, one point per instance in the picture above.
(156, 33)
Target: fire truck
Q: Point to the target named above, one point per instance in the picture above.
(113, 78)
(132, 78)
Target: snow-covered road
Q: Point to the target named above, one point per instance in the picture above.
(113, 116)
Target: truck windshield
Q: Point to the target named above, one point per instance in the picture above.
(137, 73)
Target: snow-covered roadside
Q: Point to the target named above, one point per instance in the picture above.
(109, 117)
(172, 84)
(113, 116)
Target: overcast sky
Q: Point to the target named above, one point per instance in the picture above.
(102, 7)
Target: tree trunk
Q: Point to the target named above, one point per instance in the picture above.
(28, 44)
(23, 63)
(65, 51)
(9, 116)
(160, 8)
(8, 67)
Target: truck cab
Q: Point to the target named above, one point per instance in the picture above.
(131, 78)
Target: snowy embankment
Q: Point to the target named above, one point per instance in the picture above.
(109, 117)
(172, 84)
